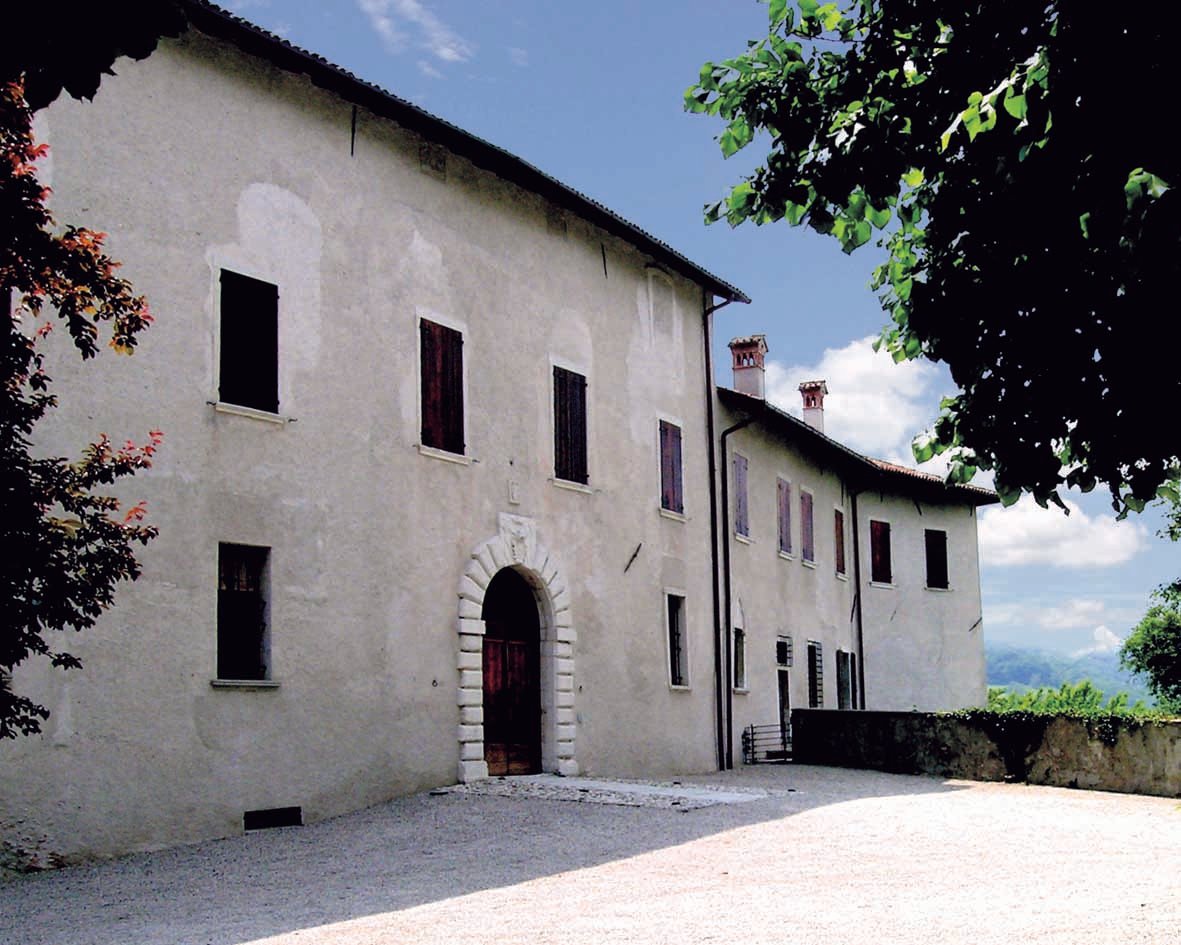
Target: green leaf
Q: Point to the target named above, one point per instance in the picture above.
(878, 218)
(1015, 104)
(777, 12)
(913, 177)
(1084, 224)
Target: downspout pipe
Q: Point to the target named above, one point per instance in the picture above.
(728, 590)
(859, 602)
(707, 311)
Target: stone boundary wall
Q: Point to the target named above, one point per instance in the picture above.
(1054, 750)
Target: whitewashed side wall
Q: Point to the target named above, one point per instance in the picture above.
(924, 647)
(201, 158)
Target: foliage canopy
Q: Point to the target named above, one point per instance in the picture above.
(1153, 649)
(1013, 159)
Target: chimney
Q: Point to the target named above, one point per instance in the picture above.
(748, 365)
(813, 393)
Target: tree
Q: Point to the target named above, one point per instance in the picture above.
(66, 544)
(1018, 169)
(1154, 647)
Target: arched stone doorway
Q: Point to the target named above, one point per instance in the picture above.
(512, 677)
(517, 549)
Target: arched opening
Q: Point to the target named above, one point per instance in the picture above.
(511, 665)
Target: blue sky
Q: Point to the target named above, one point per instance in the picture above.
(591, 94)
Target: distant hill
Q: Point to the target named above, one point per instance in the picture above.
(1020, 668)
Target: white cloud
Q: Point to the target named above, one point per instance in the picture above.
(519, 57)
(394, 19)
(874, 405)
(1105, 642)
(1071, 615)
(1028, 534)
(428, 70)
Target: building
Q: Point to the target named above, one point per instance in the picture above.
(851, 582)
(436, 498)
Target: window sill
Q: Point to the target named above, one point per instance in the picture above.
(787, 555)
(434, 453)
(252, 412)
(886, 586)
(940, 590)
(682, 688)
(807, 563)
(745, 539)
(572, 486)
(244, 683)
(674, 516)
(841, 576)
(741, 691)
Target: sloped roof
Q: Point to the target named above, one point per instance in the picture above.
(254, 40)
(863, 471)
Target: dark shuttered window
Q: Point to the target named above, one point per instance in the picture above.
(442, 387)
(784, 497)
(248, 370)
(879, 553)
(807, 527)
(569, 426)
(783, 651)
(844, 680)
(936, 558)
(672, 490)
(741, 502)
(678, 663)
(242, 644)
(815, 675)
(838, 527)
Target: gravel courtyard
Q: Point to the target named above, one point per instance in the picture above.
(774, 854)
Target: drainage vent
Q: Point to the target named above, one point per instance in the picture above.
(273, 817)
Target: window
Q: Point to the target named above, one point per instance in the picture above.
(243, 644)
(879, 553)
(783, 651)
(678, 663)
(441, 369)
(784, 496)
(248, 372)
(672, 490)
(838, 526)
(741, 507)
(569, 426)
(815, 675)
(807, 530)
(936, 558)
(845, 681)
(739, 658)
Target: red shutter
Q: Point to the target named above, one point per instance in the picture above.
(248, 370)
(741, 514)
(569, 426)
(808, 536)
(671, 474)
(879, 552)
(839, 535)
(785, 516)
(442, 387)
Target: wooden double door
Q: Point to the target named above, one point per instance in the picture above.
(512, 677)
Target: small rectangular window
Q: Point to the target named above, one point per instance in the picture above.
(739, 658)
(784, 496)
(807, 527)
(569, 426)
(441, 369)
(672, 490)
(678, 665)
(741, 506)
(783, 651)
(815, 675)
(248, 366)
(936, 541)
(243, 638)
(838, 525)
(880, 571)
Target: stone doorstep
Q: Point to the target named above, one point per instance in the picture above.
(601, 791)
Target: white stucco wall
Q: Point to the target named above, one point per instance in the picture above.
(200, 158)
(924, 647)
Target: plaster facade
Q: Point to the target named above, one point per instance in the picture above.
(204, 158)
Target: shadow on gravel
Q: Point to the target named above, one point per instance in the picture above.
(405, 853)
